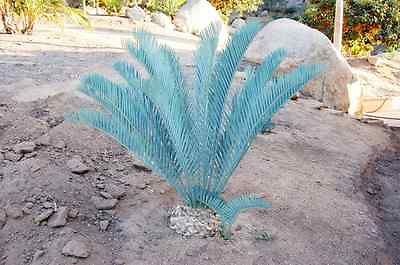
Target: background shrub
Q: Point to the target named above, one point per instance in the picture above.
(368, 24)
(113, 7)
(169, 7)
(227, 7)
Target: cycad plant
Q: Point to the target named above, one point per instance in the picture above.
(194, 137)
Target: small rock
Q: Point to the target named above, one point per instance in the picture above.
(141, 186)
(374, 60)
(106, 195)
(100, 186)
(77, 166)
(136, 14)
(162, 20)
(73, 213)
(3, 218)
(60, 144)
(59, 218)
(104, 204)
(371, 191)
(38, 254)
(119, 262)
(11, 156)
(115, 191)
(25, 147)
(76, 248)
(264, 13)
(48, 205)
(14, 212)
(104, 225)
(27, 209)
(238, 23)
(43, 216)
(44, 140)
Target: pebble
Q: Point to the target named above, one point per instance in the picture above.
(43, 216)
(106, 195)
(10, 156)
(60, 144)
(48, 205)
(59, 218)
(141, 186)
(73, 213)
(44, 140)
(76, 248)
(119, 262)
(115, 191)
(3, 218)
(104, 204)
(100, 186)
(14, 212)
(104, 225)
(24, 147)
(27, 209)
(38, 254)
(77, 166)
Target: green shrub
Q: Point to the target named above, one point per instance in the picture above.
(113, 7)
(227, 7)
(168, 7)
(367, 23)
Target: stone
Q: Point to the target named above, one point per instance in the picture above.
(190, 222)
(103, 225)
(95, 11)
(3, 218)
(162, 20)
(73, 213)
(11, 156)
(77, 166)
(115, 191)
(119, 262)
(105, 195)
(374, 60)
(48, 205)
(264, 13)
(43, 216)
(305, 45)
(59, 218)
(238, 23)
(136, 13)
(104, 204)
(14, 212)
(24, 147)
(197, 15)
(76, 248)
(43, 140)
(38, 254)
(60, 144)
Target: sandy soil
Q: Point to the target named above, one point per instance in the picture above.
(333, 181)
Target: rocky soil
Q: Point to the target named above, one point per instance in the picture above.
(71, 195)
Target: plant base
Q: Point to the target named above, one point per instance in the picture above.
(191, 222)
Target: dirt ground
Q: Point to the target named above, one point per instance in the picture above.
(333, 182)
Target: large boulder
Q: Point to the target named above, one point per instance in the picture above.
(162, 20)
(305, 45)
(196, 15)
(136, 13)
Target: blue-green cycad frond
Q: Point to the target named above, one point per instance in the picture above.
(194, 137)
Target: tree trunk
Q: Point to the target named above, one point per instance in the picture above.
(10, 26)
(338, 31)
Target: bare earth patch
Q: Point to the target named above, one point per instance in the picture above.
(312, 168)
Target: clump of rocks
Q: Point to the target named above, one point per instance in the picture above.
(191, 222)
